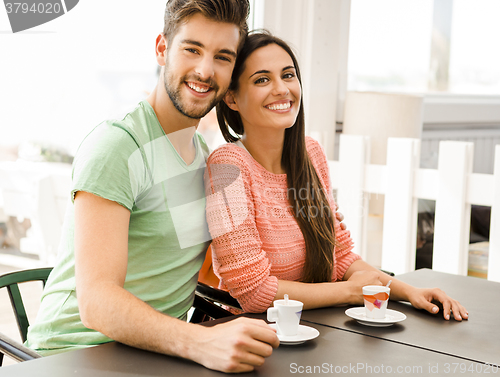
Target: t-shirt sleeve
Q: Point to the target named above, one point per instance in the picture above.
(344, 256)
(239, 260)
(109, 164)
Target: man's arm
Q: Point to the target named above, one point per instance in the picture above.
(101, 250)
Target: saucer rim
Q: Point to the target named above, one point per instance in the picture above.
(360, 319)
(300, 340)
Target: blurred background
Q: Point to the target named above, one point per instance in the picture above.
(61, 79)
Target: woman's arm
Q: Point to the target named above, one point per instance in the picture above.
(349, 292)
(319, 295)
(420, 298)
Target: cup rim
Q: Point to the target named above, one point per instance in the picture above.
(291, 303)
(377, 288)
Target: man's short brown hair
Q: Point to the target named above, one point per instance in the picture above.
(234, 12)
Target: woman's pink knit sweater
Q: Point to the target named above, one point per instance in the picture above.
(256, 239)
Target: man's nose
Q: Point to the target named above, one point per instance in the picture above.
(205, 68)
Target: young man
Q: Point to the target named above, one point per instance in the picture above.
(134, 240)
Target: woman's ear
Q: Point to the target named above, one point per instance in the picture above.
(230, 101)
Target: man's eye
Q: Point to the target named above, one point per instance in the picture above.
(192, 50)
(224, 58)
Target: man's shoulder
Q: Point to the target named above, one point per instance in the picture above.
(141, 124)
(132, 131)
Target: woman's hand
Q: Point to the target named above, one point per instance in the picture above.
(358, 280)
(423, 298)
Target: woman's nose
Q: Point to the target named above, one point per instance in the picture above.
(280, 88)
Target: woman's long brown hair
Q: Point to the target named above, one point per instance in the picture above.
(313, 213)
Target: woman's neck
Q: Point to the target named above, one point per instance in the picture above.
(266, 149)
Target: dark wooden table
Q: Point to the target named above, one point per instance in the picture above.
(422, 345)
(334, 352)
(477, 339)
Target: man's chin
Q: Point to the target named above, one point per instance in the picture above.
(196, 114)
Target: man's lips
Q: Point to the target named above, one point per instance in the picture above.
(198, 87)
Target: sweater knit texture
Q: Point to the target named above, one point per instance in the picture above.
(256, 239)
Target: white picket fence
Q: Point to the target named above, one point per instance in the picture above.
(453, 186)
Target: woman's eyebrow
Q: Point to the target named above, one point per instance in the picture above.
(266, 71)
(259, 72)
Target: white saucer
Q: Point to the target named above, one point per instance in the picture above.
(305, 333)
(391, 317)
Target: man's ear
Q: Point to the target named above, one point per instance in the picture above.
(230, 101)
(161, 49)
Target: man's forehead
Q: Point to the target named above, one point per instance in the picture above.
(205, 31)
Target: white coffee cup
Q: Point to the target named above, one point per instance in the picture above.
(286, 314)
(376, 298)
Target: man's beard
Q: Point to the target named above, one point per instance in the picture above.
(174, 93)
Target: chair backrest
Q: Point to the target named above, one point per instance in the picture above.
(11, 281)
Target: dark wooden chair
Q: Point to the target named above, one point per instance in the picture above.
(11, 282)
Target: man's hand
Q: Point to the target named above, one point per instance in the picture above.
(422, 298)
(358, 280)
(340, 218)
(236, 346)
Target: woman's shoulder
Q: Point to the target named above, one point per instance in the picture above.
(315, 150)
(226, 164)
(229, 153)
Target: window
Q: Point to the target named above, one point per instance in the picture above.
(420, 46)
(389, 45)
(475, 56)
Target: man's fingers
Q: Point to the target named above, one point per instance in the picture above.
(247, 357)
(340, 216)
(264, 336)
(267, 337)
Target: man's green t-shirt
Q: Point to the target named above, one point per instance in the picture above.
(133, 163)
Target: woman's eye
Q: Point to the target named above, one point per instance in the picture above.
(261, 80)
(288, 75)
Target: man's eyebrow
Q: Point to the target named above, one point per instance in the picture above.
(228, 52)
(199, 44)
(266, 71)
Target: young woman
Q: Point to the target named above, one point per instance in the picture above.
(269, 204)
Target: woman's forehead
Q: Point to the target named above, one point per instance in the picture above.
(268, 57)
